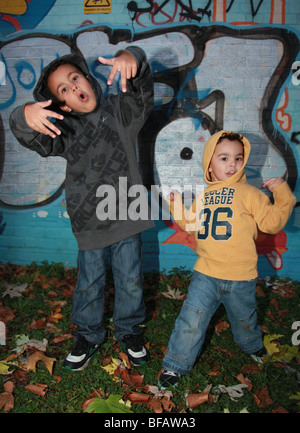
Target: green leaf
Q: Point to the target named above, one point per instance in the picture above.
(110, 405)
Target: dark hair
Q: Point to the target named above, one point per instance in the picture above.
(231, 136)
(52, 68)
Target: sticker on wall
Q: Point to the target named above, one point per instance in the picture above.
(97, 6)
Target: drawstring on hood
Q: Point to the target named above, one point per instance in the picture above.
(209, 151)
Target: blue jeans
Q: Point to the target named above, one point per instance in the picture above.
(205, 295)
(88, 296)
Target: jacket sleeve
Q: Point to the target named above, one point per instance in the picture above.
(272, 217)
(137, 103)
(33, 140)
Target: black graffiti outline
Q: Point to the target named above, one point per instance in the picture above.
(189, 10)
(188, 106)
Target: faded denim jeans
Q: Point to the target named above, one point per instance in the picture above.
(88, 296)
(205, 295)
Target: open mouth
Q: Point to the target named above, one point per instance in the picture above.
(83, 96)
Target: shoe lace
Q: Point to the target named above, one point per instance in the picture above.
(134, 342)
(81, 346)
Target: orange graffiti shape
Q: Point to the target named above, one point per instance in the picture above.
(271, 246)
(284, 119)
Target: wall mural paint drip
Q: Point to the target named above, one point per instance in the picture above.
(203, 83)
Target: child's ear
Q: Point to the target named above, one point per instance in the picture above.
(64, 107)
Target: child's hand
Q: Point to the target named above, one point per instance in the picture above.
(125, 64)
(36, 117)
(273, 182)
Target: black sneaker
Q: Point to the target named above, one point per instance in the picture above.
(260, 355)
(81, 354)
(133, 345)
(168, 378)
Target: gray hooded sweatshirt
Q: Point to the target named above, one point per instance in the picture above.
(100, 150)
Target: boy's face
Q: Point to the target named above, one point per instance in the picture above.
(228, 158)
(72, 88)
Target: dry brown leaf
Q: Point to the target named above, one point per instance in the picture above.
(251, 368)
(262, 398)
(215, 371)
(6, 314)
(241, 378)
(168, 405)
(6, 401)
(37, 357)
(39, 389)
(9, 386)
(279, 409)
(125, 359)
(194, 400)
(221, 326)
(156, 405)
(138, 397)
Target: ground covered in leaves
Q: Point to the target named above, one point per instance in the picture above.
(36, 335)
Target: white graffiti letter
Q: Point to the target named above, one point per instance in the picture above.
(2, 74)
(296, 335)
(2, 333)
(296, 74)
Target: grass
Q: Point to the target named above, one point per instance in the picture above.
(43, 311)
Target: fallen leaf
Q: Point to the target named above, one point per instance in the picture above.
(6, 401)
(168, 405)
(235, 391)
(155, 404)
(173, 294)
(4, 367)
(194, 400)
(271, 347)
(158, 392)
(262, 398)
(113, 404)
(39, 389)
(138, 397)
(279, 409)
(23, 343)
(125, 359)
(9, 386)
(221, 326)
(252, 368)
(284, 289)
(6, 314)
(21, 376)
(13, 290)
(241, 378)
(37, 357)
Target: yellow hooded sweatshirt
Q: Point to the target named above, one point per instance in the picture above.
(225, 219)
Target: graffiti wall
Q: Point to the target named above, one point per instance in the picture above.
(217, 64)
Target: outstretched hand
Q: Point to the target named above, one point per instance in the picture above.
(273, 182)
(36, 117)
(125, 63)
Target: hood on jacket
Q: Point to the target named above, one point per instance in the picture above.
(209, 151)
(41, 91)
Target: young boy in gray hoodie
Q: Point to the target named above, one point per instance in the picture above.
(97, 137)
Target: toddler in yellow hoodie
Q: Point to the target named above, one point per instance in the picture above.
(225, 220)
